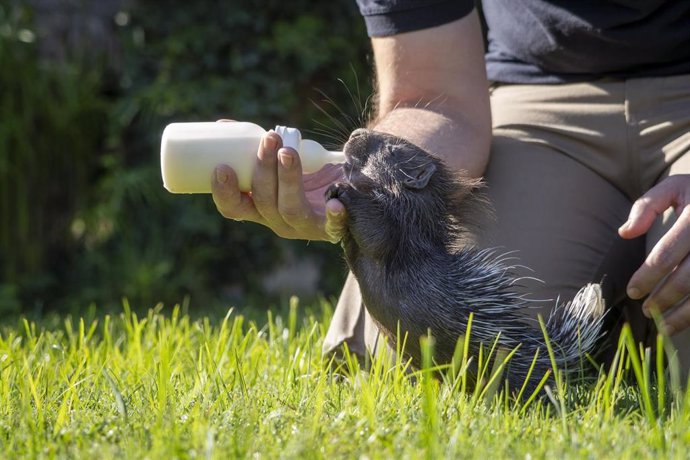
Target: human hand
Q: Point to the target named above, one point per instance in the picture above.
(282, 198)
(665, 274)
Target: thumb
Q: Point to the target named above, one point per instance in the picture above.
(336, 220)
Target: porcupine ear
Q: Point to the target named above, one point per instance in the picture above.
(418, 177)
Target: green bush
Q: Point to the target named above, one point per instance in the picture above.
(84, 215)
(52, 125)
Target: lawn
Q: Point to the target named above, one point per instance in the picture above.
(167, 386)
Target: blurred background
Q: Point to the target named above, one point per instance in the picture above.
(86, 88)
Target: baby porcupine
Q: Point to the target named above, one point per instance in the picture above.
(409, 244)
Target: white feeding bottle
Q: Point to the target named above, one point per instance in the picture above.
(191, 151)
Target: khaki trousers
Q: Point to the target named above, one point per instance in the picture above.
(567, 162)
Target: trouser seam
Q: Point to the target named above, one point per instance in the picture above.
(631, 135)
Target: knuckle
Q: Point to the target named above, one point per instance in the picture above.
(335, 234)
(680, 319)
(637, 205)
(338, 223)
(293, 215)
(677, 287)
(659, 303)
(642, 203)
(662, 260)
(227, 212)
(263, 201)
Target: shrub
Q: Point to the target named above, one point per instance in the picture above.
(113, 230)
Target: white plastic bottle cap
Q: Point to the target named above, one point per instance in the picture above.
(291, 137)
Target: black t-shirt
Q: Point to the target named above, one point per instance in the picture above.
(541, 41)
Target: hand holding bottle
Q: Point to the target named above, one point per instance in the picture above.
(281, 197)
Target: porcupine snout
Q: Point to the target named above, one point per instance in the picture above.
(356, 146)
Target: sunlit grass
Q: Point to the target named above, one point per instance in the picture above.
(166, 386)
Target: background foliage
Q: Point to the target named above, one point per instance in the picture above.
(83, 215)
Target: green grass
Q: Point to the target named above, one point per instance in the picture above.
(167, 386)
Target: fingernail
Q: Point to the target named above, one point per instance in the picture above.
(270, 143)
(286, 160)
(221, 176)
(634, 293)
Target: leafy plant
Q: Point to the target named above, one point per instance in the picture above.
(52, 126)
(85, 218)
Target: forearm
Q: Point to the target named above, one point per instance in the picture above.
(462, 142)
(432, 90)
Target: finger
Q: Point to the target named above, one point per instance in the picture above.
(293, 205)
(323, 178)
(663, 259)
(336, 220)
(232, 203)
(315, 185)
(645, 211)
(647, 208)
(670, 291)
(265, 180)
(678, 320)
(641, 217)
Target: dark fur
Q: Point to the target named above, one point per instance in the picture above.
(409, 243)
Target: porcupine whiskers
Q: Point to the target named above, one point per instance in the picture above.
(340, 124)
(412, 246)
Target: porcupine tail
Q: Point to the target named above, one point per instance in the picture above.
(576, 327)
(573, 330)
